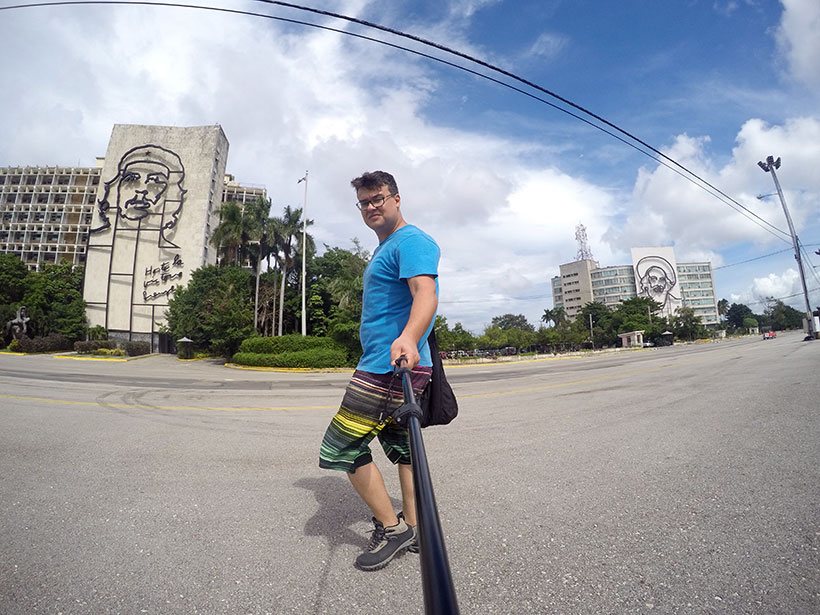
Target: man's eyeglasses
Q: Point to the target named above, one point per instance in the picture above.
(376, 201)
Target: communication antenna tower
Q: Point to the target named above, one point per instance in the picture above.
(584, 252)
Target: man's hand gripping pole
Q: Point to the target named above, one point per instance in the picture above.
(409, 408)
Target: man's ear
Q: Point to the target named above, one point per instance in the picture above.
(398, 199)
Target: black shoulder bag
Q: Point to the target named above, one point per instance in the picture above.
(438, 402)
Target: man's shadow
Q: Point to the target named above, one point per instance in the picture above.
(340, 508)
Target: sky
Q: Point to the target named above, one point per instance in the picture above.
(498, 177)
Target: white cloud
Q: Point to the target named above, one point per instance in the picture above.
(798, 37)
(667, 209)
(548, 45)
(296, 99)
(774, 285)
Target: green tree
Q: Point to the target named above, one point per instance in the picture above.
(215, 309)
(548, 317)
(290, 235)
(749, 323)
(336, 277)
(559, 316)
(494, 337)
(736, 313)
(780, 316)
(54, 300)
(603, 333)
(13, 274)
(722, 308)
(512, 321)
(227, 236)
(520, 338)
(638, 314)
(686, 325)
(456, 338)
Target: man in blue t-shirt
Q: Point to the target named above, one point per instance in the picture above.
(398, 310)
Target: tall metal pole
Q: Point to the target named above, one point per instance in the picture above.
(256, 294)
(304, 251)
(256, 291)
(591, 336)
(768, 167)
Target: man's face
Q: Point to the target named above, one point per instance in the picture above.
(385, 218)
(141, 189)
(656, 282)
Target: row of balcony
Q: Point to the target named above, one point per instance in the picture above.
(20, 248)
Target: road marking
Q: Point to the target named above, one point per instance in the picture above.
(512, 391)
(123, 406)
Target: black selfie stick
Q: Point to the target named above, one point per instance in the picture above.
(437, 581)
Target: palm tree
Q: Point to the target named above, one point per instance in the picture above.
(227, 236)
(722, 308)
(290, 229)
(559, 315)
(548, 316)
(254, 216)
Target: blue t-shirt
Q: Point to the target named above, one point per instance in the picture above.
(386, 303)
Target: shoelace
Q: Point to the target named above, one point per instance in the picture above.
(377, 537)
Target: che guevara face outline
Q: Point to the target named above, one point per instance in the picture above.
(147, 176)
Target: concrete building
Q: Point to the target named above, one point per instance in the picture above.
(654, 273)
(140, 221)
(576, 285)
(698, 289)
(611, 285)
(157, 206)
(242, 193)
(45, 213)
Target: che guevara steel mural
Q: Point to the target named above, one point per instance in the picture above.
(148, 185)
(141, 206)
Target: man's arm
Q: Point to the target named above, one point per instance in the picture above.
(425, 302)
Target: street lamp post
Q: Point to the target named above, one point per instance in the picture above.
(591, 335)
(256, 292)
(769, 167)
(304, 251)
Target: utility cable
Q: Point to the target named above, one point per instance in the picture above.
(659, 156)
(515, 77)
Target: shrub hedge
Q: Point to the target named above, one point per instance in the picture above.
(92, 346)
(135, 349)
(53, 342)
(313, 357)
(287, 343)
(110, 352)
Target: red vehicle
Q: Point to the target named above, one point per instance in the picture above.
(769, 335)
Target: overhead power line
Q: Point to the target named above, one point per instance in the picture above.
(749, 260)
(653, 152)
(767, 299)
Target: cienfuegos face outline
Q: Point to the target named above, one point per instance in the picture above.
(656, 279)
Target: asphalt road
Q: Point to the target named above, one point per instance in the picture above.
(674, 480)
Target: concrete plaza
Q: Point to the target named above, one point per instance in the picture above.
(670, 480)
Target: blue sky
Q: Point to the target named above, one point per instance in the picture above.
(499, 179)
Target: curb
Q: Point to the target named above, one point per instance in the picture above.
(291, 370)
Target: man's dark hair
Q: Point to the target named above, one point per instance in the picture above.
(373, 180)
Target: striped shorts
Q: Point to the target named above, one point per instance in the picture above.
(369, 398)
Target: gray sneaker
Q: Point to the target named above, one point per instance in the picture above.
(414, 546)
(385, 544)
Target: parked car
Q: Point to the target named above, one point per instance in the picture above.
(769, 335)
